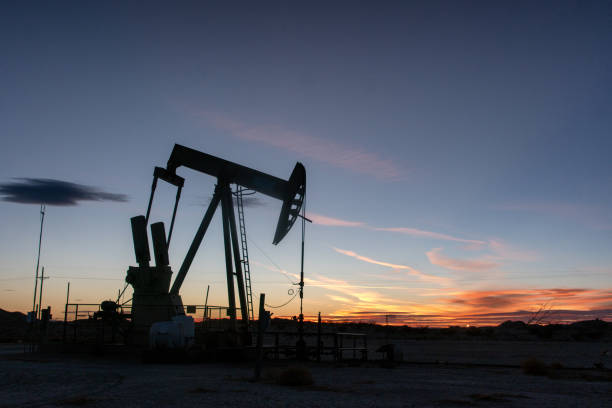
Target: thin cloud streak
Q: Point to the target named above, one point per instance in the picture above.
(337, 222)
(499, 249)
(429, 234)
(326, 151)
(409, 269)
(332, 222)
(468, 265)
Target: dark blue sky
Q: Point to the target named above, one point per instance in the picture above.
(478, 121)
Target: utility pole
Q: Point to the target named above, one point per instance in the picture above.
(66, 312)
(42, 219)
(42, 280)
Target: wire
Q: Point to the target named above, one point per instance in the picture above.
(270, 259)
(286, 303)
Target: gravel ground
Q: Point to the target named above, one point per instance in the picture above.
(570, 354)
(48, 381)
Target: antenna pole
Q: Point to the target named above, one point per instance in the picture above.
(42, 280)
(304, 219)
(42, 219)
(301, 344)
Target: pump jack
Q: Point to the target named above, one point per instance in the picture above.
(153, 299)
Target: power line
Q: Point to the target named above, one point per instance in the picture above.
(270, 259)
(286, 303)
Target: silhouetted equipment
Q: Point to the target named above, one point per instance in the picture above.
(246, 266)
(154, 300)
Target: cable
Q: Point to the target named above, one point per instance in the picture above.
(286, 303)
(270, 259)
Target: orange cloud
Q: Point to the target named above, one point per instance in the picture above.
(469, 265)
(409, 269)
(333, 222)
(488, 307)
(528, 299)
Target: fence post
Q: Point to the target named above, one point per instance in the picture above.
(319, 338)
(66, 313)
(261, 327)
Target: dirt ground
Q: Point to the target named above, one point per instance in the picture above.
(61, 381)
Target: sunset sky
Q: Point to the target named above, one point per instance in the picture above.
(458, 154)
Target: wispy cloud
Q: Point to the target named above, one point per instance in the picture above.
(469, 265)
(337, 222)
(503, 250)
(332, 222)
(430, 234)
(412, 271)
(53, 192)
(347, 157)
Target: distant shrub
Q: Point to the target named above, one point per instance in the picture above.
(515, 325)
(295, 376)
(533, 366)
(473, 331)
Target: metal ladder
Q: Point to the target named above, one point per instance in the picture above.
(245, 251)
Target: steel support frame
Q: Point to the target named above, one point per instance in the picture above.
(230, 236)
(222, 195)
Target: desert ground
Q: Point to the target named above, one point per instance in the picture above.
(435, 374)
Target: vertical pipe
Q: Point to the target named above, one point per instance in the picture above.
(42, 219)
(228, 261)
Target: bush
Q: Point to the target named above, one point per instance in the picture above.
(295, 376)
